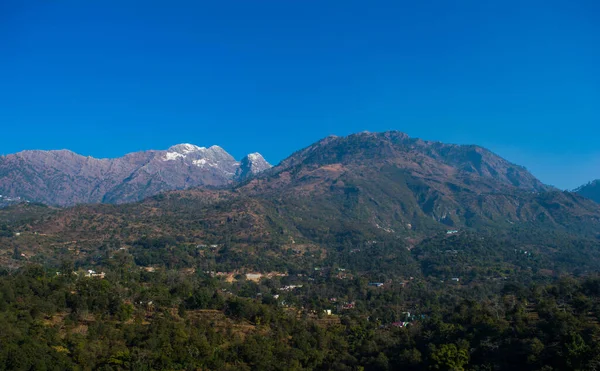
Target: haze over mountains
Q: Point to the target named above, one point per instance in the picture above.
(65, 178)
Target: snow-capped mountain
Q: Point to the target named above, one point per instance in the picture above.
(202, 157)
(251, 165)
(65, 178)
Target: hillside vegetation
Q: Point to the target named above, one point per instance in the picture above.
(373, 251)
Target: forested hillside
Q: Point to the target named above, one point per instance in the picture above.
(374, 252)
(136, 320)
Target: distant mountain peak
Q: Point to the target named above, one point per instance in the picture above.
(255, 157)
(65, 178)
(185, 148)
(423, 159)
(592, 183)
(590, 190)
(199, 156)
(251, 165)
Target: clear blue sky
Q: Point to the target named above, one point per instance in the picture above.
(104, 78)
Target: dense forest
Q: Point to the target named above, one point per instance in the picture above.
(496, 299)
(132, 319)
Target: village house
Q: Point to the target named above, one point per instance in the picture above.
(92, 273)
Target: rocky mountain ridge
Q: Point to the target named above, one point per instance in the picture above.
(391, 182)
(64, 178)
(359, 187)
(378, 182)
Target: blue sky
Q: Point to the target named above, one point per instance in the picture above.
(109, 77)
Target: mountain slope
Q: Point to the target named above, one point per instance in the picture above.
(422, 158)
(65, 178)
(374, 184)
(329, 199)
(590, 190)
(391, 182)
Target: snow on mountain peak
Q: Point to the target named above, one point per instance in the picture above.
(185, 148)
(182, 150)
(256, 159)
(218, 150)
(216, 159)
(172, 156)
(255, 156)
(201, 162)
(252, 164)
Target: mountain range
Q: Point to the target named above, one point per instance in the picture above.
(366, 184)
(64, 178)
(372, 182)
